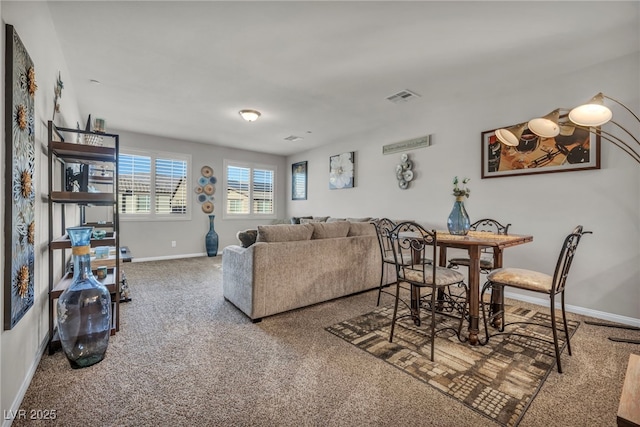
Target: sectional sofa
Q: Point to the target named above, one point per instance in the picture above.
(296, 265)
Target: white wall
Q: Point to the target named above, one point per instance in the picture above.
(20, 348)
(605, 275)
(152, 239)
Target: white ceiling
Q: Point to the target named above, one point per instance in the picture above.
(319, 70)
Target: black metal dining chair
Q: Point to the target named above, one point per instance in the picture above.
(487, 260)
(540, 282)
(383, 228)
(414, 250)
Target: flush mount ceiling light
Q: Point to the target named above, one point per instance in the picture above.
(249, 115)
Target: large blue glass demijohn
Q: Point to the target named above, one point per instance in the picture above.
(84, 308)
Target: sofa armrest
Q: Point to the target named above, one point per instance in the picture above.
(237, 276)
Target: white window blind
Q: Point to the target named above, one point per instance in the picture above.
(262, 191)
(152, 185)
(171, 186)
(250, 191)
(237, 190)
(134, 184)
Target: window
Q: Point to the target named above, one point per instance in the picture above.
(153, 185)
(249, 190)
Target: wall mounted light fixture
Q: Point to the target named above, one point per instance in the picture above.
(589, 116)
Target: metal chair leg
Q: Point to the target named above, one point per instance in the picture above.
(433, 321)
(381, 282)
(555, 334)
(566, 328)
(395, 311)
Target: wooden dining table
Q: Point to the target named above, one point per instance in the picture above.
(473, 243)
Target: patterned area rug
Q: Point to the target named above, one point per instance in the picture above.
(498, 380)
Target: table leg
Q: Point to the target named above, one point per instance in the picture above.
(496, 294)
(474, 294)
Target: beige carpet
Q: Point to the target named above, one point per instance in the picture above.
(185, 356)
(498, 380)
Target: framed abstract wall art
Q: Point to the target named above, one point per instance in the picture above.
(299, 181)
(573, 149)
(341, 171)
(19, 233)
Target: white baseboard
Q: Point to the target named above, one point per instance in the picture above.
(15, 406)
(165, 257)
(615, 318)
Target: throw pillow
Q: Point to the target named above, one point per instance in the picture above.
(284, 233)
(321, 218)
(325, 230)
(332, 219)
(308, 221)
(247, 237)
(296, 219)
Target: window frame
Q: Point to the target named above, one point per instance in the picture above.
(251, 166)
(154, 155)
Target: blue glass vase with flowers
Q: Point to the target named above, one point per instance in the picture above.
(458, 222)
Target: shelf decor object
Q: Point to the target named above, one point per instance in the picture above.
(84, 308)
(19, 180)
(211, 238)
(458, 222)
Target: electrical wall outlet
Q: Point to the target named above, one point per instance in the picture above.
(173, 243)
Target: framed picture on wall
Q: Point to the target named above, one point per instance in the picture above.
(573, 149)
(299, 181)
(341, 171)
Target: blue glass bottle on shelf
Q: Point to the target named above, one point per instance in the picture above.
(84, 308)
(211, 239)
(458, 222)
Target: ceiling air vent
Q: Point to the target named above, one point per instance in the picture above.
(403, 96)
(293, 138)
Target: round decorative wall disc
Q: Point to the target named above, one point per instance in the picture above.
(198, 189)
(206, 171)
(207, 207)
(213, 180)
(202, 198)
(209, 189)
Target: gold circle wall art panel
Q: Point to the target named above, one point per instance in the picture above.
(206, 171)
(207, 207)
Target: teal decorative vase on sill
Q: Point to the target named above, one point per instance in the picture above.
(84, 308)
(211, 239)
(458, 222)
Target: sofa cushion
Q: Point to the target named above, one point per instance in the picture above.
(326, 230)
(361, 229)
(332, 219)
(296, 219)
(247, 237)
(284, 233)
